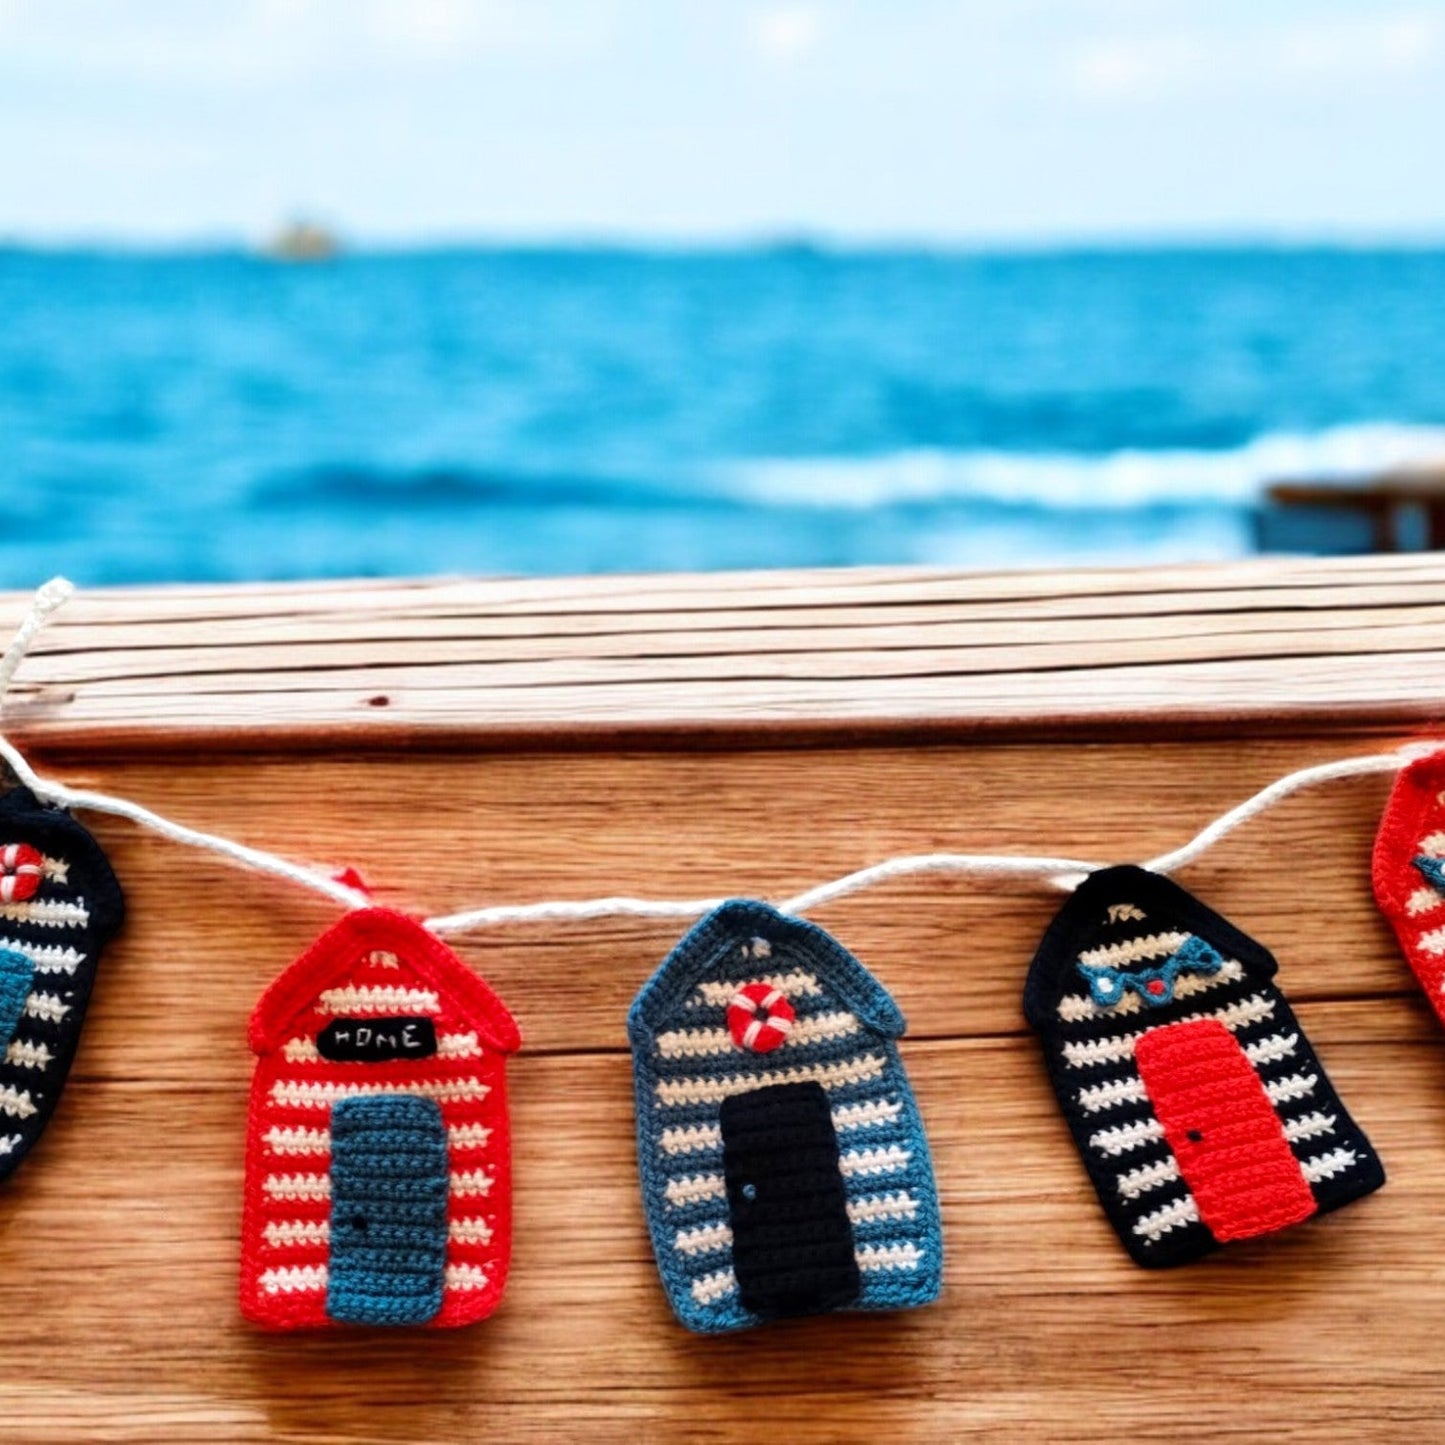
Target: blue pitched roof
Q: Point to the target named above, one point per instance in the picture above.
(704, 952)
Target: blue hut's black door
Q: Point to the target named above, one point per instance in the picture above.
(792, 1241)
(389, 1184)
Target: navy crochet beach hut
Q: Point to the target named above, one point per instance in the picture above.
(784, 1166)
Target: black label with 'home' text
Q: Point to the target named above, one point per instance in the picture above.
(375, 1041)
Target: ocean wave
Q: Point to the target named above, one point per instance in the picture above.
(1122, 480)
(360, 488)
(952, 482)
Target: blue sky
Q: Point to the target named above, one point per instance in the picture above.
(420, 120)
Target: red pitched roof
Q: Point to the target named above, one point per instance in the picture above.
(337, 952)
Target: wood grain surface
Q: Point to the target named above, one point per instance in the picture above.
(803, 654)
(245, 712)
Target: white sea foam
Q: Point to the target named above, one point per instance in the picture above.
(1123, 480)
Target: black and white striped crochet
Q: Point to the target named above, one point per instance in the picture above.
(51, 936)
(1200, 1110)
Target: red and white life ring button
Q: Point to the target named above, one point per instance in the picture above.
(21, 868)
(759, 1017)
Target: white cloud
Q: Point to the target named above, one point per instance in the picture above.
(1125, 68)
(1410, 41)
(1254, 59)
(241, 43)
(445, 28)
(1391, 43)
(923, 118)
(788, 33)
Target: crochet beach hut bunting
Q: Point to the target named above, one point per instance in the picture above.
(1409, 872)
(378, 1152)
(60, 905)
(1197, 1103)
(784, 1166)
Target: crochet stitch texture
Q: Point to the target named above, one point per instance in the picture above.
(59, 906)
(1204, 1117)
(715, 1119)
(792, 1239)
(378, 1187)
(388, 1211)
(1408, 872)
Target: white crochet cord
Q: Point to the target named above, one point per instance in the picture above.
(825, 892)
(1278, 791)
(52, 596)
(1065, 873)
(50, 599)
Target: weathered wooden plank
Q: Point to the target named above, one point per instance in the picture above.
(637, 592)
(115, 629)
(1400, 691)
(808, 651)
(801, 654)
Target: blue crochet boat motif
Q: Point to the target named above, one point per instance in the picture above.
(1155, 986)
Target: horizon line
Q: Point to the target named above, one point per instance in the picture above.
(801, 240)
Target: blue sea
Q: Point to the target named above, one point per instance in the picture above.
(221, 416)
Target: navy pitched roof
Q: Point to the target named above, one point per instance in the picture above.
(1164, 901)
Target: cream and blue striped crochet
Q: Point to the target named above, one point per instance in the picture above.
(811, 1188)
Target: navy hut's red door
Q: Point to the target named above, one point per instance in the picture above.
(1224, 1132)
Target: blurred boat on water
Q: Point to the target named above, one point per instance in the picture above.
(303, 241)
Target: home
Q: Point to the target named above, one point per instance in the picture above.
(378, 1177)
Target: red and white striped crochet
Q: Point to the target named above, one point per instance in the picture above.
(21, 869)
(374, 965)
(1408, 871)
(760, 1017)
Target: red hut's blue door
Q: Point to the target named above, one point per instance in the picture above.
(1225, 1134)
(389, 1183)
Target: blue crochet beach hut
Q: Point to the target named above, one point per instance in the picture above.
(784, 1166)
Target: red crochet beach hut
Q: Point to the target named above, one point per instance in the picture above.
(378, 1154)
